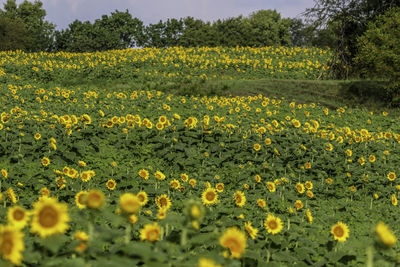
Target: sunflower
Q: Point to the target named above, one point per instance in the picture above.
(11, 195)
(11, 244)
(143, 198)
(37, 136)
(267, 141)
(257, 147)
(219, 187)
(4, 173)
(49, 217)
(307, 165)
(204, 262)
(163, 202)
(309, 185)
(209, 196)
(80, 199)
(81, 236)
(391, 176)
(273, 224)
(329, 181)
(184, 177)
(251, 230)
(111, 184)
(234, 240)
(309, 216)
(394, 199)
(310, 194)
(94, 199)
(371, 158)
(261, 203)
(150, 232)
(340, 232)
(144, 174)
(300, 188)
(129, 203)
(257, 178)
(271, 186)
(133, 218)
(175, 184)
(45, 161)
(159, 175)
(192, 182)
(240, 198)
(45, 191)
(298, 204)
(17, 217)
(385, 234)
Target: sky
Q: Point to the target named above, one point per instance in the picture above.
(64, 12)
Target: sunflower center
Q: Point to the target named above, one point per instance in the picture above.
(48, 217)
(81, 199)
(210, 196)
(18, 215)
(7, 244)
(152, 234)
(163, 202)
(272, 224)
(141, 198)
(338, 231)
(238, 198)
(233, 244)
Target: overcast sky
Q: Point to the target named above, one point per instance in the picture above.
(63, 12)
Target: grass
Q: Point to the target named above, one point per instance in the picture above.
(330, 93)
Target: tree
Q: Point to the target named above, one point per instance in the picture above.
(346, 20)
(379, 50)
(267, 28)
(13, 34)
(32, 15)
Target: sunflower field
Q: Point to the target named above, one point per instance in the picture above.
(102, 177)
(169, 64)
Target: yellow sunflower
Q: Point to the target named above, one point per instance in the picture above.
(240, 198)
(300, 188)
(129, 203)
(159, 175)
(4, 173)
(143, 198)
(144, 174)
(150, 232)
(271, 186)
(234, 240)
(298, 204)
(45, 161)
(391, 176)
(111, 184)
(80, 199)
(385, 234)
(219, 187)
(309, 216)
(261, 203)
(251, 230)
(17, 216)
(49, 217)
(209, 196)
(273, 224)
(340, 232)
(95, 199)
(11, 195)
(11, 244)
(163, 202)
(175, 184)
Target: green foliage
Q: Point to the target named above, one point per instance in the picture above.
(13, 34)
(379, 52)
(32, 15)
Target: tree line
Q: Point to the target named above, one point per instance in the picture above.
(24, 27)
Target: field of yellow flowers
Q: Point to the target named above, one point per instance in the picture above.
(169, 64)
(109, 178)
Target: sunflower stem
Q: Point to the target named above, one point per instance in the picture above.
(370, 257)
(184, 237)
(128, 233)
